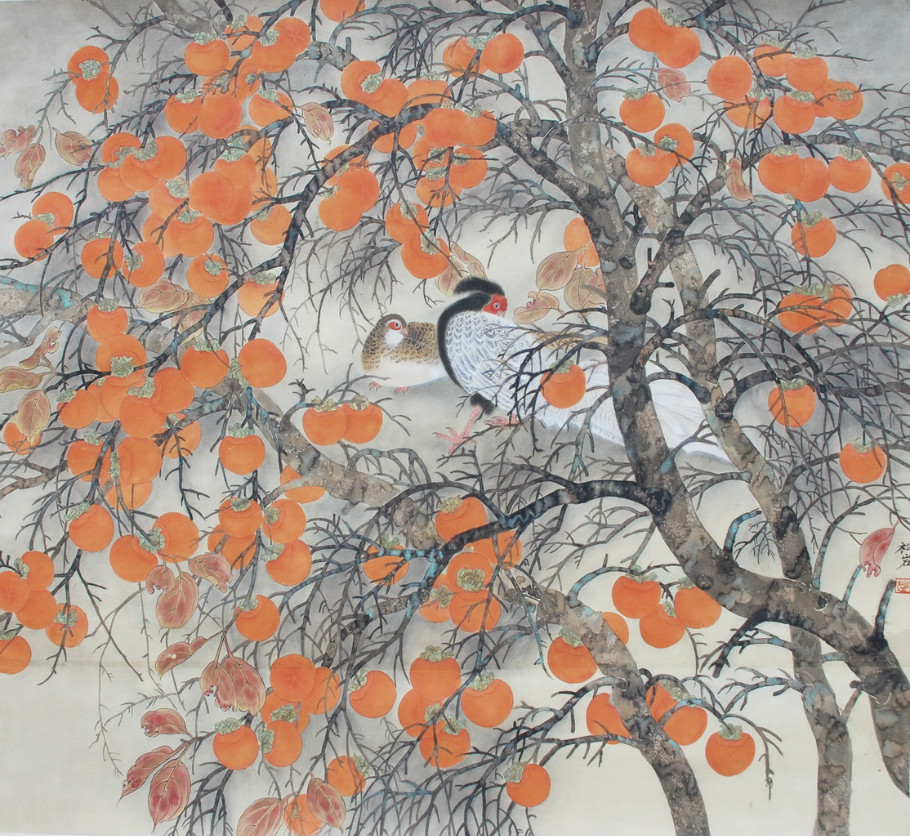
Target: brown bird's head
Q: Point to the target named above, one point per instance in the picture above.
(393, 329)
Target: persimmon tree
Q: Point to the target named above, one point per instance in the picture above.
(339, 599)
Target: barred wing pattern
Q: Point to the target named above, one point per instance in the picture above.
(504, 362)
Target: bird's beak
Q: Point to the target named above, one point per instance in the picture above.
(404, 331)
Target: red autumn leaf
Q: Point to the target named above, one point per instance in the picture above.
(73, 147)
(215, 681)
(177, 654)
(673, 84)
(163, 297)
(145, 765)
(249, 689)
(12, 377)
(235, 684)
(159, 578)
(539, 306)
(13, 141)
(169, 792)
(30, 160)
(162, 721)
(33, 416)
(555, 270)
(262, 818)
(176, 605)
(318, 120)
(326, 803)
(212, 567)
(873, 549)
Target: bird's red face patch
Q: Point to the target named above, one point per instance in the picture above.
(497, 305)
(395, 325)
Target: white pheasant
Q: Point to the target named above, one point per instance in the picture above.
(501, 363)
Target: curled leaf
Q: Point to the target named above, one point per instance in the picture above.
(169, 792)
(30, 160)
(585, 289)
(235, 684)
(212, 567)
(13, 141)
(262, 818)
(450, 277)
(74, 147)
(177, 654)
(12, 377)
(554, 272)
(539, 306)
(873, 549)
(48, 345)
(735, 183)
(326, 802)
(162, 721)
(472, 263)
(145, 765)
(34, 415)
(163, 297)
(176, 605)
(160, 577)
(318, 120)
(673, 84)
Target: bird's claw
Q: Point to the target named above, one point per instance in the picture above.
(400, 390)
(374, 385)
(455, 438)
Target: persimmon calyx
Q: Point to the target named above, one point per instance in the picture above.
(228, 725)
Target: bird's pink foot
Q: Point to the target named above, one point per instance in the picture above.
(400, 390)
(501, 422)
(374, 385)
(455, 438)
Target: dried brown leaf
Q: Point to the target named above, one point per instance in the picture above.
(471, 263)
(554, 272)
(12, 377)
(318, 120)
(33, 416)
(540, 305)
(13, 141)
(163, 297)
(74, 147)
(30, 160)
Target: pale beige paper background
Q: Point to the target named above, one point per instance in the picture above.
(54, 780)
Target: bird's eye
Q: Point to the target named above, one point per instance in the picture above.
(497, 306)
(395, 325)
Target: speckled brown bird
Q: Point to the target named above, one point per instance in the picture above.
(401, 354)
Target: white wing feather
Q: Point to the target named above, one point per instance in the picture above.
(504, 363)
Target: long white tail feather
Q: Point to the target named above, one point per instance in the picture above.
(504, 363)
